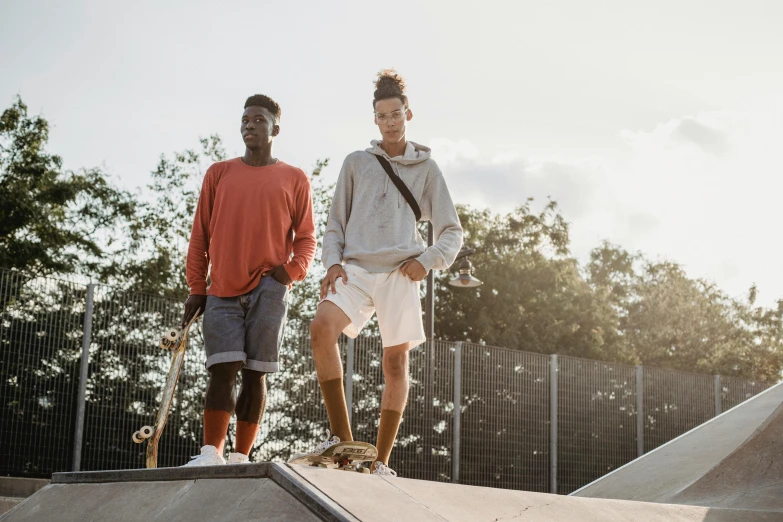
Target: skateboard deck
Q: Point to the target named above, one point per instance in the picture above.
(176, 341)
(348, 456)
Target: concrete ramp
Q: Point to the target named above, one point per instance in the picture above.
(751, 477)
(277, 492)
(262, 491)
(734, 460)
(395, 499)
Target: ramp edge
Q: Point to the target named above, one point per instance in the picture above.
(320, 504)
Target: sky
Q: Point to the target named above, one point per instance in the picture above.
(655, 125)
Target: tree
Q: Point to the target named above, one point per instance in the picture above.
(534, 297)
(52, 221)
(155, 240)
(669, 320)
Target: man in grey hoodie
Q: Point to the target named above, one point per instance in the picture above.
(372, 246)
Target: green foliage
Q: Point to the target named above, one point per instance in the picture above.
(669, 320)
(623, 308)
(533, 297)
(52, 221)
(620, 307)
(155, 240)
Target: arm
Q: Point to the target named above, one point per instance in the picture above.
(197, 265)
(445, 225)
(304, 233)
(339, 213)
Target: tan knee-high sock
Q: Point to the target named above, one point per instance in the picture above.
(215, 428)
(334, 399)
(387, 434)
(246, 436)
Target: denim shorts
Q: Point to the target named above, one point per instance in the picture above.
(247, 328)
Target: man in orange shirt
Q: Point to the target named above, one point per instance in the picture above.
(254, 226)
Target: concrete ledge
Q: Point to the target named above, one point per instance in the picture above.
(9, 503)
(259, 470)
(320, 504)
(20, 487)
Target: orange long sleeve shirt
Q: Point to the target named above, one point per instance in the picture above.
(248, 220)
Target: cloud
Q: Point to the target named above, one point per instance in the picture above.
(703, 190)
(507, 180)
(710, 140)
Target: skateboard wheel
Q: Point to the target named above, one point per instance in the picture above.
(146, 432)
(168, 339)
(136, 438)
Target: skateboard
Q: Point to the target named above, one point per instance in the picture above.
(176, 341)
(346, 456)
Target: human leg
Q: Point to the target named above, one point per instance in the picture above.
(325, 329)
(250, 409)
(395, 397)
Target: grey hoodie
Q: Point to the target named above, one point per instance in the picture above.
(372, 226)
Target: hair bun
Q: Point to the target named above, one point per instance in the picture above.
(389, 85)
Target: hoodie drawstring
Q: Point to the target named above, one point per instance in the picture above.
(396, 171)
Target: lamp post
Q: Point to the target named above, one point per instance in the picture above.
(465, 279)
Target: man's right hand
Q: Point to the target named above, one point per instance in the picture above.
(335, 272)
(194, 303)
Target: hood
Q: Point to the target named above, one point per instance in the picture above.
(414, 153)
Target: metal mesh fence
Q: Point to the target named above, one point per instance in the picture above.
(596, 417)
(295, 418)
(500, 431)
(126, 375)
(735, 391)
(367, 388)
(675, 402)
(40, 348)
(505, 418)
(424, 444)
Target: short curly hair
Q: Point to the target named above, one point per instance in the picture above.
(389, 85)
(261, 100)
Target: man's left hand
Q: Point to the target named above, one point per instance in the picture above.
(414, 270)
(279, 274)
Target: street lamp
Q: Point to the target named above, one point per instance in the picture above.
(465, 278)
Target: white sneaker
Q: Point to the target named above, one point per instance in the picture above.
(382, 469)
(238, 458)
(209, 457)
(318, 450)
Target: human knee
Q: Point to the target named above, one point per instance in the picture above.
(252, 379)
(225, 372)
(322, 332)
(395, 364)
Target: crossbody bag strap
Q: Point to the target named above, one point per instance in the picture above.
(406, 193)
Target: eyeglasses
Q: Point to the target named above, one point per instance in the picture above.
(395, 116)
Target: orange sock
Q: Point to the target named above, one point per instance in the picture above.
(246, 436)
(215, 428)
(334, 399)
(387, 434)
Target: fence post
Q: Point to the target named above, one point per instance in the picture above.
(553, 424)
(349, 357)
(83, 376)
(639, 411)
(455, 456)
(718, 396)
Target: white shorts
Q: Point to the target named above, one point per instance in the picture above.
(392, 295)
